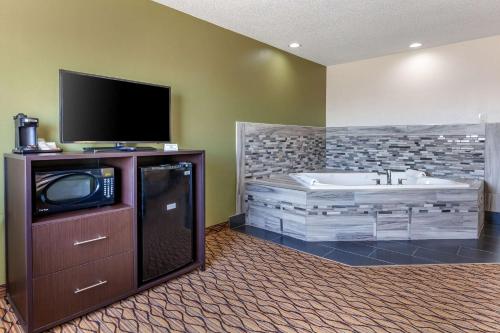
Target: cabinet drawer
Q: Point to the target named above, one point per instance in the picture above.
(65, 243)
(62, 294)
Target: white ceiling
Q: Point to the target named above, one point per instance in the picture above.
(338, 31)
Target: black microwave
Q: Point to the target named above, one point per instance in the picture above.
(65, 190)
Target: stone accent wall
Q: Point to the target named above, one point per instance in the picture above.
(492, 173)
(265, 149)
(440, 150)
(271, 149)
(446, 151)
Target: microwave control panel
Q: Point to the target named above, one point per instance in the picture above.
(109, 187)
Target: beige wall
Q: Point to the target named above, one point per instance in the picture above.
(217, 76)
(448, 84)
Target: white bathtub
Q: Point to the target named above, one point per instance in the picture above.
(411, 179)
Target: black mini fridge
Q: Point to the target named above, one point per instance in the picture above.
(165, 221)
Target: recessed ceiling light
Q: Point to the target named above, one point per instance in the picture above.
(294, 45)
(415, 45)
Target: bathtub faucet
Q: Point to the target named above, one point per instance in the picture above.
(389, 176)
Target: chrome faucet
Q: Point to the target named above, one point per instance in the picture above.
(389, 176)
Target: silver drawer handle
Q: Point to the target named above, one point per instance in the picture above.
(100, 283)
(90, 240)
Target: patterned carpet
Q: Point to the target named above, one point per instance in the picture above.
(254, 286)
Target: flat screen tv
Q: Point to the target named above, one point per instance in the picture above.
(102, 109)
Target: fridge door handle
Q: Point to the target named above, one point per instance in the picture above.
(143, 209)
(170, 206)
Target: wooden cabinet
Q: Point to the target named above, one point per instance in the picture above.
(80, 260)
(64, 242)
(64, 265)
(73, 290)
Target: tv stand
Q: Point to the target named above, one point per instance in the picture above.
(118, 147)
(50, 279)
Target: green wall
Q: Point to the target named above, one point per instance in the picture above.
(217, 76)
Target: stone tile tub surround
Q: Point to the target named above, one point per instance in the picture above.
(462, 150)
(265, 149)
(282, 205)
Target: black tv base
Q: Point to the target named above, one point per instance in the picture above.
(124, 149)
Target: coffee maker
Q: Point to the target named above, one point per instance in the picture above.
(26, 137)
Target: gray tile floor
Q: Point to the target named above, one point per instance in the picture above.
(486, 249)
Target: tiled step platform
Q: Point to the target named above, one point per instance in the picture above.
(486, 249)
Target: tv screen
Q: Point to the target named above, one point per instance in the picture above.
(101, 109)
